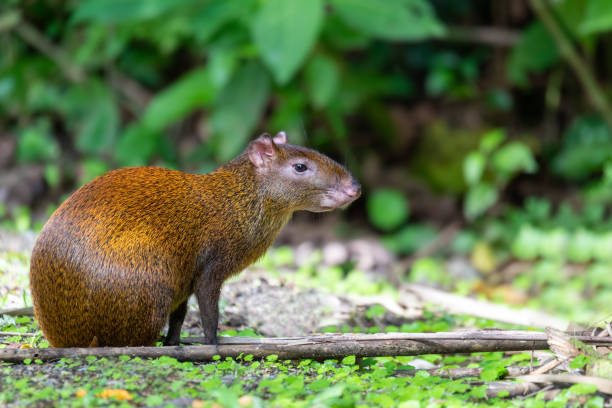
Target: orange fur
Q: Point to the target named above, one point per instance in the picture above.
(126, 250)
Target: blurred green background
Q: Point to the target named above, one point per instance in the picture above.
(447, 111)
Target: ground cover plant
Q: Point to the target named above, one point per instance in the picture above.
(244, 381)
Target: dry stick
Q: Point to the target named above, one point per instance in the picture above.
(462, 305)
(603, 385)
(9, 333)
(21, 311)
(493, 36)
(461, 372)
(569, 53)
(319, 347)
(514, 389)
(37, 40)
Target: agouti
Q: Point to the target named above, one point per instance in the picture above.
(123, 253)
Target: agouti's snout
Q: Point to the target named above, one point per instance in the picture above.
(353, 190)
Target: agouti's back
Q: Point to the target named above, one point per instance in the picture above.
(124, 252)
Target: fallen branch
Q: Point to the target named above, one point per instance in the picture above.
(463, 305)
(20, 311)
(514, 389)
(320, 347)
(461, 372)
(602, 384)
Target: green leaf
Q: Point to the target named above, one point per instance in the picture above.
(137, 145)
(587, 146)
(285, 31)
(92, 168)
(582, 389)
(512, 158)
(375, 310)
(52, 175)
(348, 360)
(387, 208)
(478, 199)
(598, 17)
(491, 140)
(473, 167)
(322, 79)
(215, 14)
(121, 10)
(35, 144)
(194, 89)
(238, 110)
(99, 127)
(390, 19)
(535, 52)
(492, 373)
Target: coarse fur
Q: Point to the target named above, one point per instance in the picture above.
(123, 253)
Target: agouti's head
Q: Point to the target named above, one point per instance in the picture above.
(300, 178)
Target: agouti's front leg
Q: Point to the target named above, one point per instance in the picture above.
(174, 325)
(208, 300)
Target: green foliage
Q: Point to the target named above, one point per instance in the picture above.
(391, 20)
(429, 270)
(323, 77)
(237, 110)
(409, 238)
(598, 17)
(535, 52)
(284, 32)
(479, 198)
(503, 162)
(387, 208)
(228, 59)
(193, 90)
(586, 147)
(118, 11)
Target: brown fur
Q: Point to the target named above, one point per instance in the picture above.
(125, 251)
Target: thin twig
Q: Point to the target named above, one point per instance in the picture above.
(542, 9)
(9, 333)
(602, 384)
(493, 36)
(456, 304)
(131, 90)
(37, 40)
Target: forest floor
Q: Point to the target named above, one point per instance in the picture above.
(322, 287)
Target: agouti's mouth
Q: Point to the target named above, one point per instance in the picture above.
(340, 198)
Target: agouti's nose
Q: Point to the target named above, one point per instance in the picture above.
(353, 189)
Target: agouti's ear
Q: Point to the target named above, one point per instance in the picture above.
(261, 151)
(280, 138)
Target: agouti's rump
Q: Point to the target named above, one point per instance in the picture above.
(124, 252)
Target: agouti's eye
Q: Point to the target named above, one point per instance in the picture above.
(300, 167)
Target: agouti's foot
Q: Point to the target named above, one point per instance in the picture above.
(171, 342)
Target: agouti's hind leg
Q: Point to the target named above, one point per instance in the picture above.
(174, 325)
(208, 301)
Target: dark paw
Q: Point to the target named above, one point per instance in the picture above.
(171, 341)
